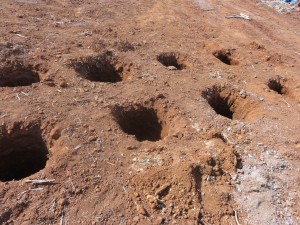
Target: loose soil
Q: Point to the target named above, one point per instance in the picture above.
(149, 112)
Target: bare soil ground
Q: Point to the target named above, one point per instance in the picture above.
(149, 112)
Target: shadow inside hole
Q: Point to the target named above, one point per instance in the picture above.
(22, 154)
(221, 106)
(221, 103)
(225, 57)
(19, 77)
(170, 59)
(99, 69)
(141, 122)
(239, 164)
(219, 136)
(275, 85)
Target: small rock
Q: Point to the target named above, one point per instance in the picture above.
(92, 129)
(178, 135)
(63, 84)
(92, 138)
(172, 68)
(152, 199)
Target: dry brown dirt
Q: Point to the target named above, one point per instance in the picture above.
(149, 112)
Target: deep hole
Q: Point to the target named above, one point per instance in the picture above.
(219, 103)
(275, 85)
(18, 77)
(239, 164)
(99, 69)
(170, 59)
(22, 154)
(139, 121)
(225, 57)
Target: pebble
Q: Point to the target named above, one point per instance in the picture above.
(92, 138)
(172, 68)
(63, 84)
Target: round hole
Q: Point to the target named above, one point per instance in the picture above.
(140, 121)
(170, 60)
(12, 77)
(22, 153)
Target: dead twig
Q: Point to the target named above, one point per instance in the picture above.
(111, 163)
(53, 203)
(5, 115)
(288, 105)
(25, 94)
(40, 181)
(33, 189)
(236, 217)
(20, 35)
(70, 180)
(62, 219)
(125, 190)
(239, 16)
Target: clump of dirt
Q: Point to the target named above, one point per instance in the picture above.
(171, 59)
(226, 56)
(185, 190)
(15, 76)
(124, 46)
(277, 84)
(101, 68)
(23, 152)
(230, 103)
(141, 121)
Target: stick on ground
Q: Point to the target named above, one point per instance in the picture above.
(40, 181)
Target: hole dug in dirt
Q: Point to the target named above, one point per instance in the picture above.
(102, 68)
(23, 152)
(225, 56)
(15, 77)
(141, 121)
(222, 104)
(170, 59)
(276, 84)
(231, 103)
